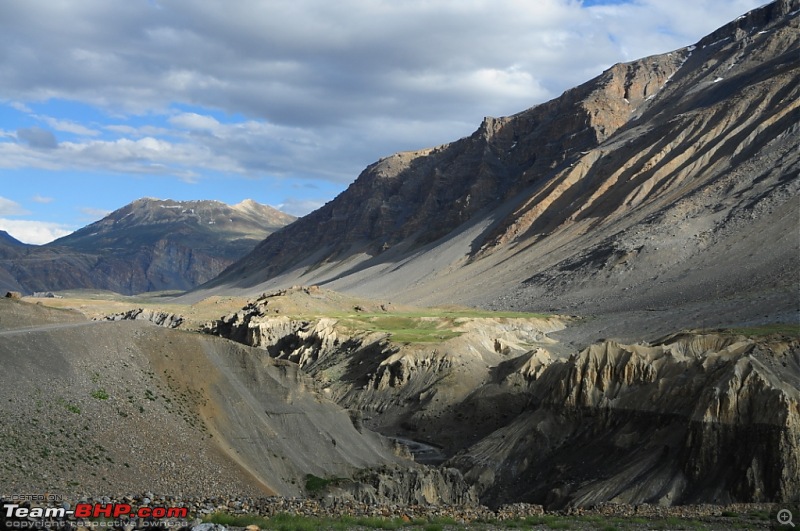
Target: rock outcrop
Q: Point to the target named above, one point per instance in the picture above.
(400, 388)
(407, 486)
(165, 319)
(701, 418)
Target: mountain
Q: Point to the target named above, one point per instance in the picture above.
(666, 183)
(201, 225)
(148, 245)
(8, 240)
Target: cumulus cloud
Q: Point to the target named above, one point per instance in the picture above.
(310, 63)
(34, 232)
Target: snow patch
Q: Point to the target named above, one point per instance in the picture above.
(718, 42)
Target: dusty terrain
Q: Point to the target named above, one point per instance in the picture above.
(120, 407)
(694, 418)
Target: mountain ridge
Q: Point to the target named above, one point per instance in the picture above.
(147, 245)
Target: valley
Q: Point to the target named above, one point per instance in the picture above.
(492, 396)
(590, 307)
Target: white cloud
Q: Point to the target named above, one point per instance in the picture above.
(94, 214)
(21, 107)
(34, 232)
(11, 208)
(68, 126)
(137, 132)
(191, 120)
(42, 199)
(299, 207)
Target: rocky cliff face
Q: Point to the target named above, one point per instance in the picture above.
(149, 245)
(697, 419)
(408, 486)
(667, 179)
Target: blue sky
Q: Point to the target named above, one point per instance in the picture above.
(285, 102)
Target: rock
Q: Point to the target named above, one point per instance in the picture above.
(165, 319)
(407, 486)
(209, 527)
(13, 295)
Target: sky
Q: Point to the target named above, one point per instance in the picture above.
(281, 101)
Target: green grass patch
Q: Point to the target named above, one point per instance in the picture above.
(551, 521)
(792, 330)
(373, 522)
(760, 515)
(315, 483)
(100, 394)
(289, 522)
(72, 408)
(412, 329)
(429, 325)
(239, 520)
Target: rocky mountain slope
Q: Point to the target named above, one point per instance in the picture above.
(669, 183)
(697, 418)
(148, 245)
(7, 240)
(693, 418)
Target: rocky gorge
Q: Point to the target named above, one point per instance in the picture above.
(693, 418)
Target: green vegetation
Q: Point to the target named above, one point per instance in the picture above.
(409, 329)
(100, 394)
(289, 522)
(428, 325)
(72, 408)
(315, 483)
(792, 330)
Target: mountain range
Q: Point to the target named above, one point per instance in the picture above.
(148, 245)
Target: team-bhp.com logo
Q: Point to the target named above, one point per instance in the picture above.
(16, 515)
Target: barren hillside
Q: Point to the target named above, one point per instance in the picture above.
(127, 407)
